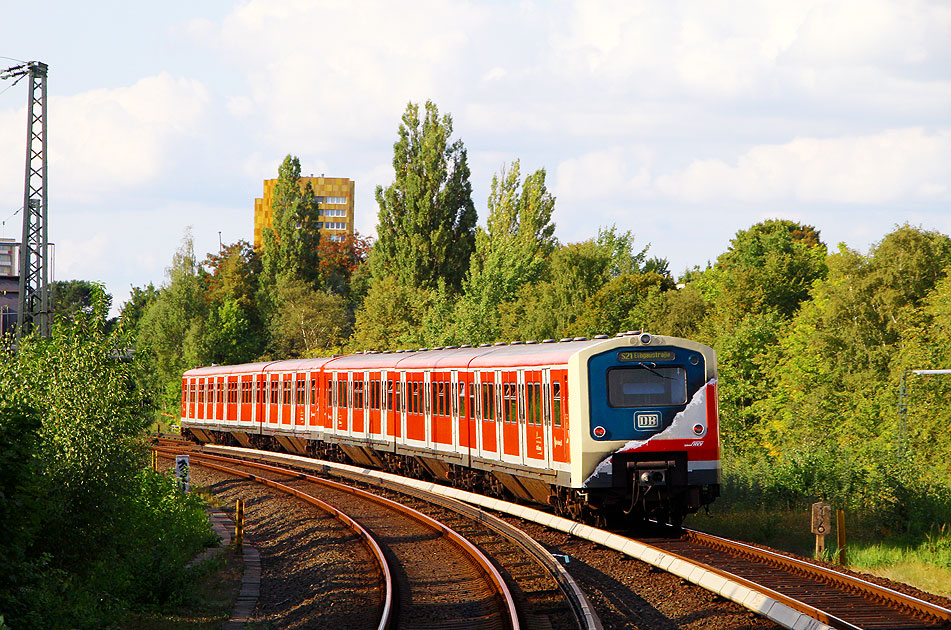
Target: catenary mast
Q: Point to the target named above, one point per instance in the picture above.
(33, 303)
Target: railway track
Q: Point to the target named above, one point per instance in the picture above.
(831, 597)
(432, 576)
(789, 591)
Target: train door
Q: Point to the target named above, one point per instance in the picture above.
(489, 442)
(511, 451)
(389, 385)
(536, 451)
(468, 430)
(343, 403)
(427, 409)
(375, 407)
(231, 402)
(457, 410)
(402, 406)
(559, 416)
(313, 400)
(441, 410)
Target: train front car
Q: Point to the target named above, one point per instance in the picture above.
(650, 447)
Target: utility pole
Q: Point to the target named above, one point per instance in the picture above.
(33, 305)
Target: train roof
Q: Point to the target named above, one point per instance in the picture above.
(502, 355)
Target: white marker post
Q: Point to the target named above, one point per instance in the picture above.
(181, 471)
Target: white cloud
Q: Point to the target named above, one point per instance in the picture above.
(108, 141)
(891, 166)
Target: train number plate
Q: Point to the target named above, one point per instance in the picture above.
(649, 420)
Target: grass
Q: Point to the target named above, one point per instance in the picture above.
(209, 603)
(923, 562)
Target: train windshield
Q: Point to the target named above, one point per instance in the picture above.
(641, 386)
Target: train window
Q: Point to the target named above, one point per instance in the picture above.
(286, 390)
(358, 394)
(398, 396)
(510, 402)
(462, 400)
(643, 387)
(488, 402)
(301, 392)
(533, 403)
(233, 393)
(556, 403)
(342, 393)
(454, 399)
(521, 401)
(473, 413)
(441, 399)
(313, 392)
(389, 394)
(330, 395)
(274, 394)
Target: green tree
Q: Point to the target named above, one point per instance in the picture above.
(511, 252)
(613, 307)
(426, 229)
(549, 308)
(171, 335)
(291, 244)
(833, 374)
(308, 322)
(134, 308)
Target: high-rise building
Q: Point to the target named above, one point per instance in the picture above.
(335, 201)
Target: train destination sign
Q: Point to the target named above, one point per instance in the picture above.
(646, 355)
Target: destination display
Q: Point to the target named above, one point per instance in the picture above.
(646, 355)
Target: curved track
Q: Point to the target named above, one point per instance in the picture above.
(441, 579)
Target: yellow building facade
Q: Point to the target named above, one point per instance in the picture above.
(334, 198)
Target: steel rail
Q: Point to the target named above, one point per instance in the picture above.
(386, 615)
(581, 608)
(885, 594)
(585, 616)
(471, 550)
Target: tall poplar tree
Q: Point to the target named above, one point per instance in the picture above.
(511, 252)
(292, 243)
(427, 219)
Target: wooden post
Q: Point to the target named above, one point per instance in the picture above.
(154, 460)
(840, 534)
(239, 523)
(821, 523)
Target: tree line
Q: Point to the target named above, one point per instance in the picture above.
(812, 341)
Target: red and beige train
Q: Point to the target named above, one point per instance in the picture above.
(622, 425)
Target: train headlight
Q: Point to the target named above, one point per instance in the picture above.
(599, 432)
(699, 429)
(645, 339)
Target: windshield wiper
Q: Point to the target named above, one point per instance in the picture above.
(652, 370)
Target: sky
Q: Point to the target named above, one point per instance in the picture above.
(682, 122)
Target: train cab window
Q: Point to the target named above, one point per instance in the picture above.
(647, 387)
(556, 403)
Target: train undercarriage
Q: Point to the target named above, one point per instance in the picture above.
(644, 488)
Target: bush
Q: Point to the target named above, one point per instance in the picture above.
(88, 532)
